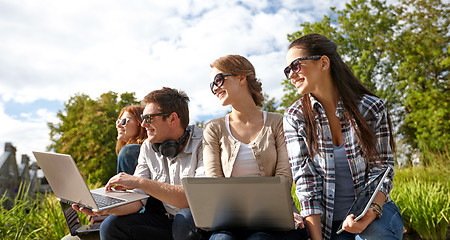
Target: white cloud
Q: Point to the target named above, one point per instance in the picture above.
(28, 134)
(54, 49)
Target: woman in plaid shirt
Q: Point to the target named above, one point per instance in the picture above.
(338, 137)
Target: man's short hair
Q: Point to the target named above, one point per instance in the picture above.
(170, 100)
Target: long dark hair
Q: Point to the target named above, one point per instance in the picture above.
(350, 90)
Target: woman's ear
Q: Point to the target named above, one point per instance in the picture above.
(325, 62)
(242, 79)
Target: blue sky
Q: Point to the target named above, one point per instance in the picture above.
(51, 50)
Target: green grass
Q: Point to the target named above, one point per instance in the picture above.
(38, 217)
(423, 196)
(425, 207)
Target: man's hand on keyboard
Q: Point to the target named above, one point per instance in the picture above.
(122, 181)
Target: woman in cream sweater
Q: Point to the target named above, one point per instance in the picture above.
(247, 141)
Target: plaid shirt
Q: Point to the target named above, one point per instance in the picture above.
(315, 178)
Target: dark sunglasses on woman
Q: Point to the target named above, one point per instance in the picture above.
(122, 121)
(219, 79)
(295, 65)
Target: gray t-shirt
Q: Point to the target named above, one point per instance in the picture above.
(345, 194)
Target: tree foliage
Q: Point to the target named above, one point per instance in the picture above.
(400, 52)
(269, 104)
(420, 54)
(359, 31)
(87, 131)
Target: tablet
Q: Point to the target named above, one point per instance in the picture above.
(364, 200)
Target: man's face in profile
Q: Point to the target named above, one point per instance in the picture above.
(156, 125)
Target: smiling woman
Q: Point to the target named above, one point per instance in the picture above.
(339, 138)
(247, 141)
(130, 136)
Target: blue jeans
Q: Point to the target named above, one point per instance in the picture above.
(390, 226)
(184, 228)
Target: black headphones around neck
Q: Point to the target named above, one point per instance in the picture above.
(170, 148)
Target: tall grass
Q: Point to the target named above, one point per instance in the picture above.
(31, 217)
(37, 217)
(14, 223)
(425, 207)
(423, 196)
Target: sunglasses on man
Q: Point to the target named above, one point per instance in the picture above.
(219, 79)
(295, 65)
(149, 117)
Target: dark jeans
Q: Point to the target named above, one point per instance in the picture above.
(184, 227)
(153, 223)
(137, 226)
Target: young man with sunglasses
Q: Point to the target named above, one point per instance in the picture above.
(173, 150)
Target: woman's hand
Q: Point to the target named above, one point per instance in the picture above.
(351, 226)
(298, 221)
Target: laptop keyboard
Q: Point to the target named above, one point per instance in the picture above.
(91, 227)
(104, 201)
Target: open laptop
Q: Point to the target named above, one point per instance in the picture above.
(74, 223)
(69, 186)
(366, 196)
(240, 202)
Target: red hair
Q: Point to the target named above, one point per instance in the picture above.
(135, 113)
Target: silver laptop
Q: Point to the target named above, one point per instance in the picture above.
(240, 202)
(69, 186)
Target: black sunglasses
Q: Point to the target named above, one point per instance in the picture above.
(149, 117)
(219, 79)
(295, 65)
(122, 121)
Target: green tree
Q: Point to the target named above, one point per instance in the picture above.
(87, 132)
(420, 54)
(269, 104)
(401, 52)
(358, 31)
